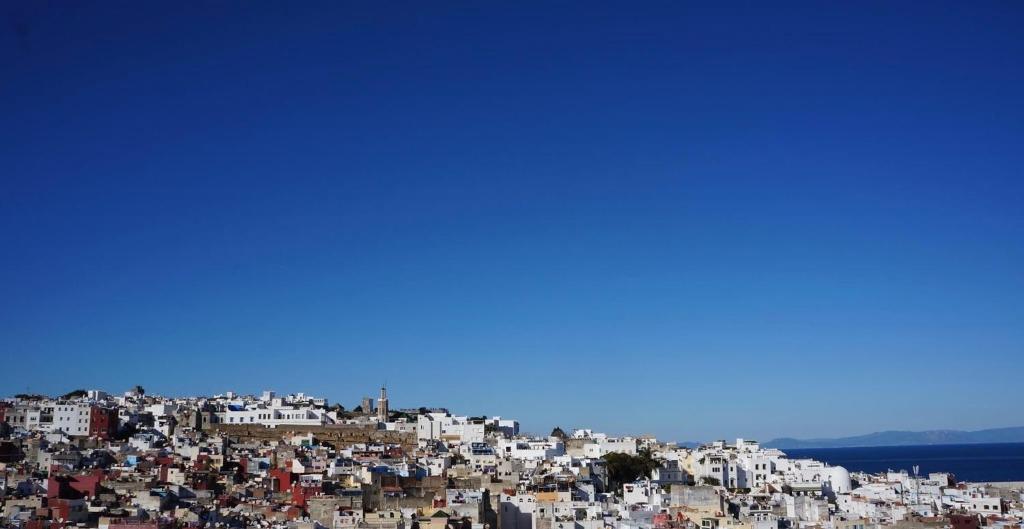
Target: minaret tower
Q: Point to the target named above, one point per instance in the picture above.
(382, 405)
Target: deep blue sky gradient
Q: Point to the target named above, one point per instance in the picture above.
(698, 221)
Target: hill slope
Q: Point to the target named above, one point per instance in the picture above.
(1013, 434)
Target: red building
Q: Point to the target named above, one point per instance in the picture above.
(964, 521)
(280, 479)
(73, 511)
(102, 422)
(300, 493)
(74, 486)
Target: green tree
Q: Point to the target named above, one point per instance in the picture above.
(29, 396)
(626, 468)
(340, 411)
(399, 415)
(78, 393)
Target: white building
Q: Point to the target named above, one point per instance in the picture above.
(71, 418)
(531, 449)
(449, 429)
(505, 427)
(276, 414)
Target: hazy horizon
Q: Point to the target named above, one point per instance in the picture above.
(527, 425)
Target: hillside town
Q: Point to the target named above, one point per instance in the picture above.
(138, 461)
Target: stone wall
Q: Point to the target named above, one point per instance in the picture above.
(341, 436)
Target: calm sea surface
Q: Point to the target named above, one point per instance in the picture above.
(974, 462)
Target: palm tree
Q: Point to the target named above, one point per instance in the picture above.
(139, 390)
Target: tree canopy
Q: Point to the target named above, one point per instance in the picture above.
(29, 396)
(626, 468)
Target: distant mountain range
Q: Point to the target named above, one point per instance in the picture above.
(899, 438)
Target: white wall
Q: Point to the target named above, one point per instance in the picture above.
(72, 419)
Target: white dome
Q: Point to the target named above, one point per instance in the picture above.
(839, 479)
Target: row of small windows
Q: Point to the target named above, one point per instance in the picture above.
(267, 417)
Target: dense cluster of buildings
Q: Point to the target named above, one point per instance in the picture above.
(137, 461)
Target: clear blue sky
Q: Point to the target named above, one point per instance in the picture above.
(743, 220)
